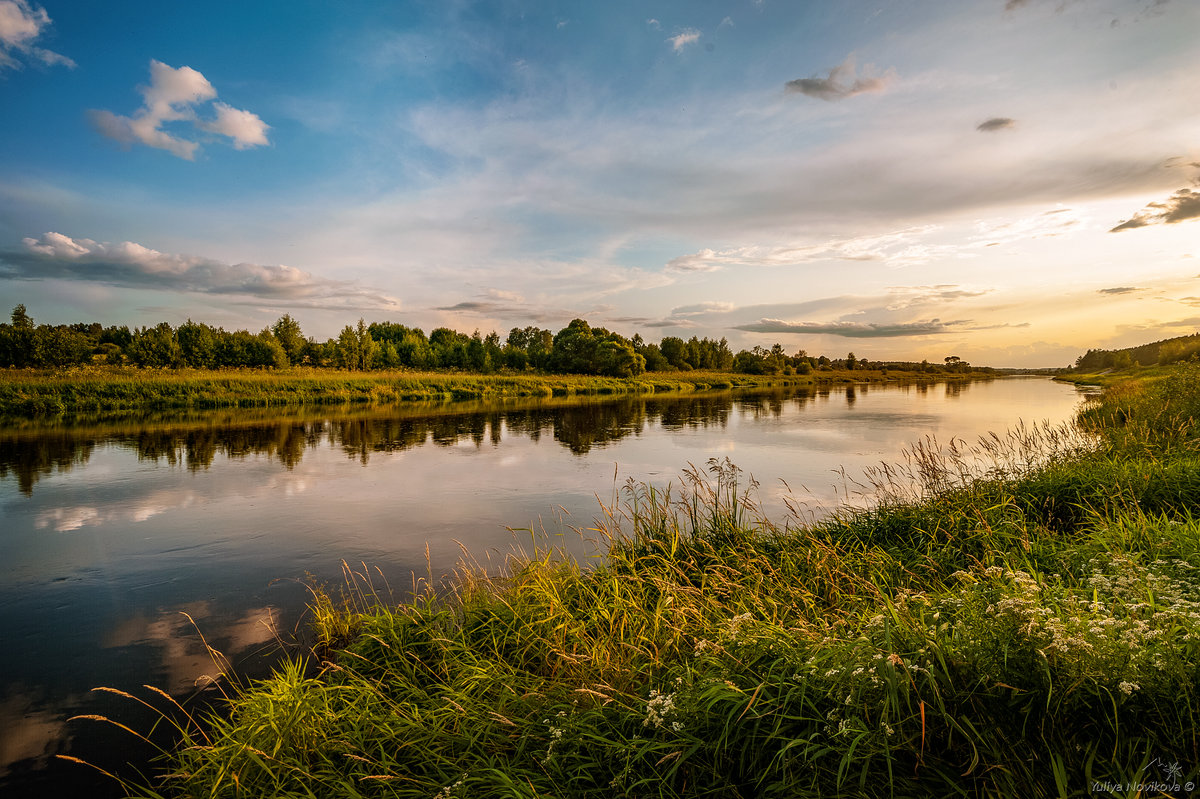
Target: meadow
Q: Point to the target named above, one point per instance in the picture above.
(1018, 616)
(104, 389)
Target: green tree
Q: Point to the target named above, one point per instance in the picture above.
(449, 348)
(59, 346)
(478, 355)
(514, 358)
(655, 360)
(155, 347)
(675, 350)
(616, 357)
(197, 344)
(287, 332)
(574, 350)
(355, 348)
(758, 361)
(16, 340)
(21, 320)
(534, 342)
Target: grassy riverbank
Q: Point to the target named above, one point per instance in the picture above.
(1025, 621)
(28, 393)
(1111, 377)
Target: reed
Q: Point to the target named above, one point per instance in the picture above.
(1015, 617)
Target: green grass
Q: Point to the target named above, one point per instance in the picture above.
(1112, 377)
(1019, 618)
(30, 393)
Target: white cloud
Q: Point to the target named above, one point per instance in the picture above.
(683, 39)
(128, 264)
(753, 173)
(910, 296)
(900, 248)
(172, 96)
(702, 308)
(503, 295)
(245, 128)
(20, 25)
(1046, 224)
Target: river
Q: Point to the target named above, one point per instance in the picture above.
(123, 541)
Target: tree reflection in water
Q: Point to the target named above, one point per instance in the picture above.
(195, 441)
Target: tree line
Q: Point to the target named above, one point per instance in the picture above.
(578, 348)
(1167, 351)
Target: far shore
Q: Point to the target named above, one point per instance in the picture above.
(28, 393)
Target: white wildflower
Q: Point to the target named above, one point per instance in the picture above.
(658, 708)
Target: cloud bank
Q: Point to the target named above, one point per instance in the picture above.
(842, 82)
(130, 265)
(173, 96)
(1182, 205)
(20, 25)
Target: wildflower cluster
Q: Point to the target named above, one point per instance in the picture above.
(554, 732)
(660, 709)
(1122, 625)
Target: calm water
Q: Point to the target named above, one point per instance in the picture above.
(109, 533)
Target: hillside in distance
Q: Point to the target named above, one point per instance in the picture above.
(1167, 351)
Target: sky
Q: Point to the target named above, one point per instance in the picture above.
(1011, 182)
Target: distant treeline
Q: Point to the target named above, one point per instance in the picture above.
(1167, 351)
(578, 348)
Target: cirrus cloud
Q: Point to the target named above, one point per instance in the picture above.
(131, 265)
(899, 248)
(172, 96)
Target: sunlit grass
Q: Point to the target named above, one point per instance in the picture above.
(26, 393)
(83, 390)
(1018, 617)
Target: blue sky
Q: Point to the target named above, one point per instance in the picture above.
(1009, 181)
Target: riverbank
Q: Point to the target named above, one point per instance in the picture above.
(1111, 377)
(29, 393)
(1031, 632)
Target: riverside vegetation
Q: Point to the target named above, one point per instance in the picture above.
(88, 368)
(1020, 617)
(101, 390)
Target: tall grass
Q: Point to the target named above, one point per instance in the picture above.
(25, 393)
(1020, 617)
